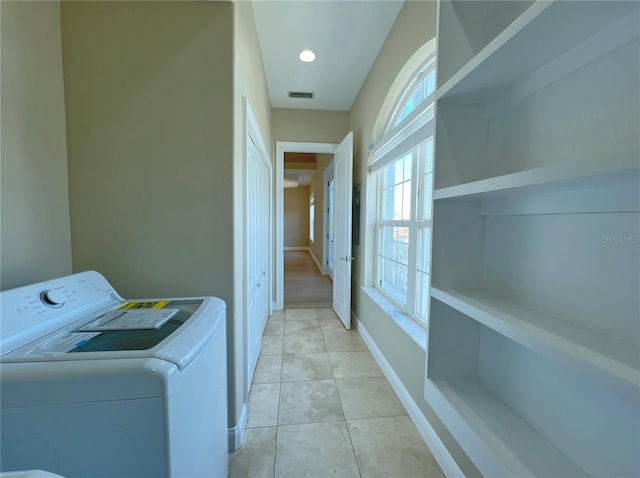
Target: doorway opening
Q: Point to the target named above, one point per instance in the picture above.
(298, 148)
(307, 230)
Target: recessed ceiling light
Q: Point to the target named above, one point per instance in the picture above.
(307, 56)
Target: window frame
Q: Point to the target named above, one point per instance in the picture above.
(424, 71)
(411, 135)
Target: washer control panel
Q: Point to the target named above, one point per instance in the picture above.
(33, 309)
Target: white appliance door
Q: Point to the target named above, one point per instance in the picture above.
(343, 182)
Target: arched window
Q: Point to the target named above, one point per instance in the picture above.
(402, 174)
(421, 89)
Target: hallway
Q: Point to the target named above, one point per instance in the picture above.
(320, 406)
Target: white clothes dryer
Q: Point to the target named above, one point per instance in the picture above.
(92, 385)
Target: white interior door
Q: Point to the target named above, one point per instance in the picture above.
(258, 244)
(254, 273)
(343, 183)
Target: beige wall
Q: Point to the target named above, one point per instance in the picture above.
(150, 108)
(250, 79)
(296, 217)
(35, 231)
(314, 126)
(414, 27)
(150, 152)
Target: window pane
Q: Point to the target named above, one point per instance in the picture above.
(396, 189)
(427, 183)
(422, 282)
(401, 284)
(418, 96)
(393, 261)
(425, 88)
(398, 171)
(427, 203)
(424, 248)
(388, 196)
(430, 83)
(406, 202)
(422, 295)
(408, 165)
(429, 156)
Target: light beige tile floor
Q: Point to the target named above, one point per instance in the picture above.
(320, 406)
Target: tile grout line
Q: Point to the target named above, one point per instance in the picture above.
(346, 424)
(275, 451)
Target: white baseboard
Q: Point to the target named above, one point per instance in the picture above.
(448, 465)
(315, 259)
(293, 248)
(236, 434)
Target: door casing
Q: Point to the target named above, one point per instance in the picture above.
(281, 148)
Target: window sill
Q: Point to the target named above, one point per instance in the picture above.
(415, 331)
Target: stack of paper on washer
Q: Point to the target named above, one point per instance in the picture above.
(130, 319)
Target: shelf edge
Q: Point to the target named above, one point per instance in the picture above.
(494, 45)
(596, 364)
(490, 451)
(542, 175)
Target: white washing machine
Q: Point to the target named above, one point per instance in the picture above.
(92, 385)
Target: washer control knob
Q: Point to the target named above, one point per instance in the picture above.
(52, 298)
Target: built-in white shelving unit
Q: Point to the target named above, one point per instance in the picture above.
(533, 354)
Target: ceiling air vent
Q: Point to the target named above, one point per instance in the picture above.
(301, 94)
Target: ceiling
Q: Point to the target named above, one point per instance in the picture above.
(301, 165)
(304, 176)
(345, 35)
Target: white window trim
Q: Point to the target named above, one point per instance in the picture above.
(412, 133)
(418, 127)
(426, 68)
(413, 225)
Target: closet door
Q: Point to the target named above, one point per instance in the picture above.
(258, 245)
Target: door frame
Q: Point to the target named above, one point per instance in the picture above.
(281, 148)
(327, 223)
